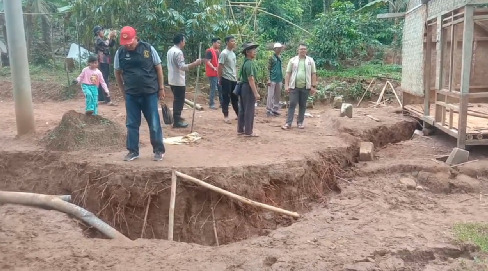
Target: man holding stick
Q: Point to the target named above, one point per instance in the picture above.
(176, 77)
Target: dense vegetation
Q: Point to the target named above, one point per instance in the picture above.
(340, 33)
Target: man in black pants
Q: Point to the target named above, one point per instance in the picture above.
(176, 77)
(102, 50)
(227, 73)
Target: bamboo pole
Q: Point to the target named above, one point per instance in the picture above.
(192, 104)
(197, 88)
(381, 94)
(215, 228)
(145, 216)
(172, 206)
(229, 194)
(394, 92)
(366, 91)
(274, 15)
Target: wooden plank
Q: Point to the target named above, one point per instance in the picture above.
(453, 94)
(451, 76)
(427, 70)
(446, 130)
(439, 58)
(451, 117)
(448, 106)
(478, 95)
(454, 46)
(473, 87)
(477, 142)
(437, 109)
(390, 15)
(480, 17)
(482, 26)
(439, 67)
(467, 57)
(455, 22)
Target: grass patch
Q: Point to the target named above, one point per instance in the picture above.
(45, 73)
(365, 70)
(476, 233)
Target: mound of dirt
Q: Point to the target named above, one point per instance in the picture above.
(78, 131)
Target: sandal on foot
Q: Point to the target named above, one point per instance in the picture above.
(300, 126)
(286, 127)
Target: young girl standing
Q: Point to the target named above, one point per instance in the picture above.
(90, 78)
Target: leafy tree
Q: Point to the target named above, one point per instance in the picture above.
(276, 29)
(345, 35)
(156, 20)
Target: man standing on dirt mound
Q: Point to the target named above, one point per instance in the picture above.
(140, 78)
(176, 77)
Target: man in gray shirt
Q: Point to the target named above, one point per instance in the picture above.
(176, 77)
(228, 77)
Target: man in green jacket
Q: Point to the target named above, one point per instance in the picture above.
(275, 81)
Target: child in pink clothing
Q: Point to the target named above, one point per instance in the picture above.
(90, 78)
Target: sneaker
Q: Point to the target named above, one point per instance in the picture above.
(275, 113)
(269, 114)
(131, 156)
(213, 107)
(180, 124)
(158, 156)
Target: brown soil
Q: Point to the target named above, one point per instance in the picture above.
(355, 216)
(78, 131)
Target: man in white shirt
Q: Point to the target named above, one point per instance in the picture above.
(176, 77)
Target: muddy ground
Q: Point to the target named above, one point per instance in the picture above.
(395, 213)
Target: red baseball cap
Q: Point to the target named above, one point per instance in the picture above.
(127, 35)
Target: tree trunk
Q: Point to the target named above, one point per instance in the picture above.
(29, 26)
(4, 29)
(46, 32)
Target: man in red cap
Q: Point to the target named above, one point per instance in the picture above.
(140, 78)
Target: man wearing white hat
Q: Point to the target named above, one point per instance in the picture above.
(275, 81)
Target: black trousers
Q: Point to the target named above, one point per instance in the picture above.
(105, 69)
(227, 95)
(178, 101)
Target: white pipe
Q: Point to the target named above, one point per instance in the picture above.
(55, 202)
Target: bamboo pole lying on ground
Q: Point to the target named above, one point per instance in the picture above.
(55, 202)
(235, 196)
(194, 105)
